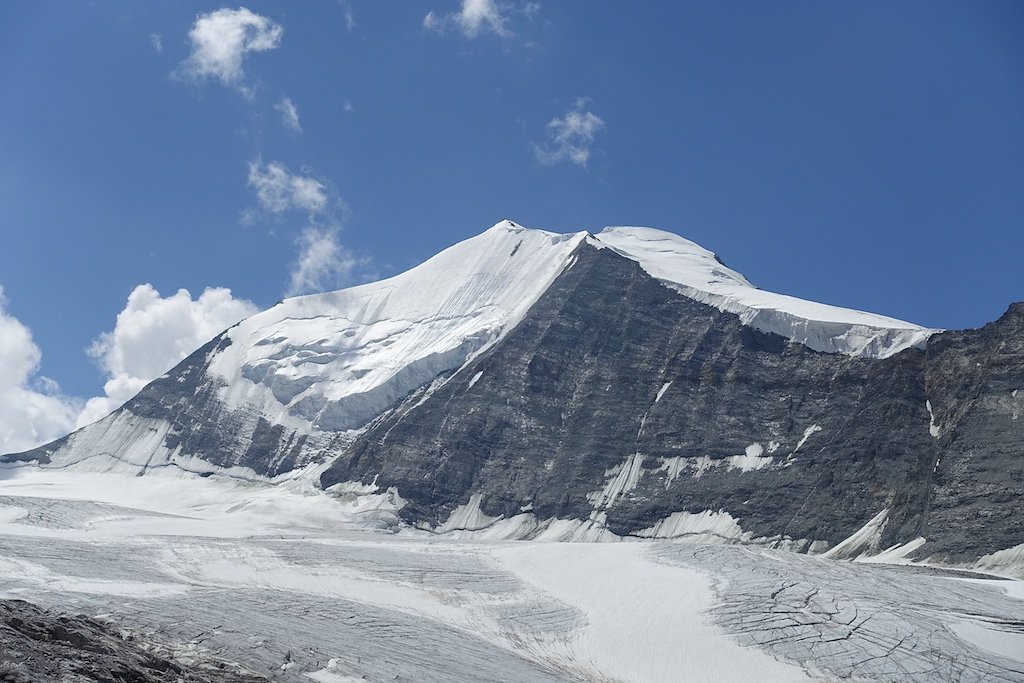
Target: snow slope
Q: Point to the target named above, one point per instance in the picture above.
(338, 360)
(697, 273)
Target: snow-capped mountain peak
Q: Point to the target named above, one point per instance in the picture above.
(337, 360)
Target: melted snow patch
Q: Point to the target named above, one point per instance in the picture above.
(698, 274)
(467, 517)
(807, 434)
(864, 541)
(933, 428)
(1008, 562)
(753, 458)
(621, 479)
(897, 554)
(333, 674)
(704, 527)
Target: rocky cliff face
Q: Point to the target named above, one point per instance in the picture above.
(535, 385)
(621, 402)
(40, 645)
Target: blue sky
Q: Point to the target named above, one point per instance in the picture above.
(868, 155)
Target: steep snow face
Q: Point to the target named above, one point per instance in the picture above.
(338, 360)
(697, 273)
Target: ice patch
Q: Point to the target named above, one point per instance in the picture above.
(661, 392)
(476, 378)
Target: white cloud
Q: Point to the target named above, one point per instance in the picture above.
(154, 333)
(151, 335)
(323, 263)
(278, 190)
(350, 19)
(157, 41)
(570, 137)
(477, 17)
(32, 408)
(289, 114)
(221, 39)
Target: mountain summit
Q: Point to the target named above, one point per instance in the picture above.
(528, 384)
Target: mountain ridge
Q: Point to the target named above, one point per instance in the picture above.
(535, 384)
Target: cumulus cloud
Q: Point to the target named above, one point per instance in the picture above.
(278, 190)
(570, 137)
(289, 114)
(222, 38)
(151, 335)
(32, 408)
(477, 17)
(323, 263)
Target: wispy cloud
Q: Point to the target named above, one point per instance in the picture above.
(289, 114)
(323, 263)
(157, 41)
(349, 16)
(152, 334)
(570, 137)
(478, 17)
(220, 41)
(278, 190)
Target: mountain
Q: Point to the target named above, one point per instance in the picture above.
(527, 384)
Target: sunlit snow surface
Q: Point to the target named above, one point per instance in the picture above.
(303, 586)
(699, 274)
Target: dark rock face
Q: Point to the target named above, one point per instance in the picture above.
(542, 420)
(38, 645)
(975, 382)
